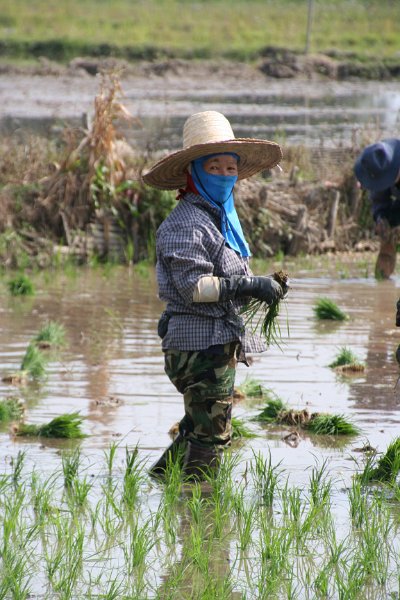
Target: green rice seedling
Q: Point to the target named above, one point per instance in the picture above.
(11, 409)
(270, 412)
(21, 286)
(17, 465)
(265, 477)
(320, 487)
(325, 424)
(34, 362)
(346, 357)
(246, 526)
(132, 478)
(239, 430)
(51, 335)
(70, 466)
(264, 317)
(326, 309)
(110, 457)
(358, 505)
(254, 389)
(64, 426)
(387, 467)
(42, 497)
(140, 542)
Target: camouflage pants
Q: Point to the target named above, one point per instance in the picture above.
(206, 379)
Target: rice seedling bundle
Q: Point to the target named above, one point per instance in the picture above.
(253, 388)
(261, 316)
(270, 412)
(34, 362)
(346, 361)
(11, 409)
(388, 466)
(52, 334)
(21, 286)
(239, 430)
(64, 426)
(277, 412)
(326, 309)
(325, 424)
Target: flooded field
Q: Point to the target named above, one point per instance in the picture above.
(111, 371)
(319, 114)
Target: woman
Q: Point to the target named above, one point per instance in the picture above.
(204, 277)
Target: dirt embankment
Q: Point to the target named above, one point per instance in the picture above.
(272, 62)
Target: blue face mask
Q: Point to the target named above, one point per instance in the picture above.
(215, 188)
(218, 190)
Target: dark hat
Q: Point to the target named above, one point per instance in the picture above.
(378, 166)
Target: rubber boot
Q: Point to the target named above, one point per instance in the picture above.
(175, 451)
(200, 461)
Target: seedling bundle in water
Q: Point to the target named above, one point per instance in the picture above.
(11, 409)
(387, 467)
(326, 309)
(64, 426)
(347, 361)
(275, 411)
(262, 316)
(21, 286)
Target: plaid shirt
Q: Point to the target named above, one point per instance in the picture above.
(189, 246)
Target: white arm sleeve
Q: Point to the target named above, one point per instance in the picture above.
(207, 289)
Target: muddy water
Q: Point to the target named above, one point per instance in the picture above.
(111, 368)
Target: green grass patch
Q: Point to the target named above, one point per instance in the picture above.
(64, 426)
(326, 309)
(238, 29)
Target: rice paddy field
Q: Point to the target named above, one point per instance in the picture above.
(291, 513)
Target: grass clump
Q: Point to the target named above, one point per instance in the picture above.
(326, 309)
(346, 360)
(21, 286)
(51, 334)
(64, 426)
(11, 409)
(239, 430)
(387, 467)
(325, 424)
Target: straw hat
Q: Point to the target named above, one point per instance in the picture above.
(206, 133)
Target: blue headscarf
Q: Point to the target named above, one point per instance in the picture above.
(218, 190)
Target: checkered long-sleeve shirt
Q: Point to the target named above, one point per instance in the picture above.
(190, 245)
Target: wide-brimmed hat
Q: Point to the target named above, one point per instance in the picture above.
(378, 166)
(206, 133)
